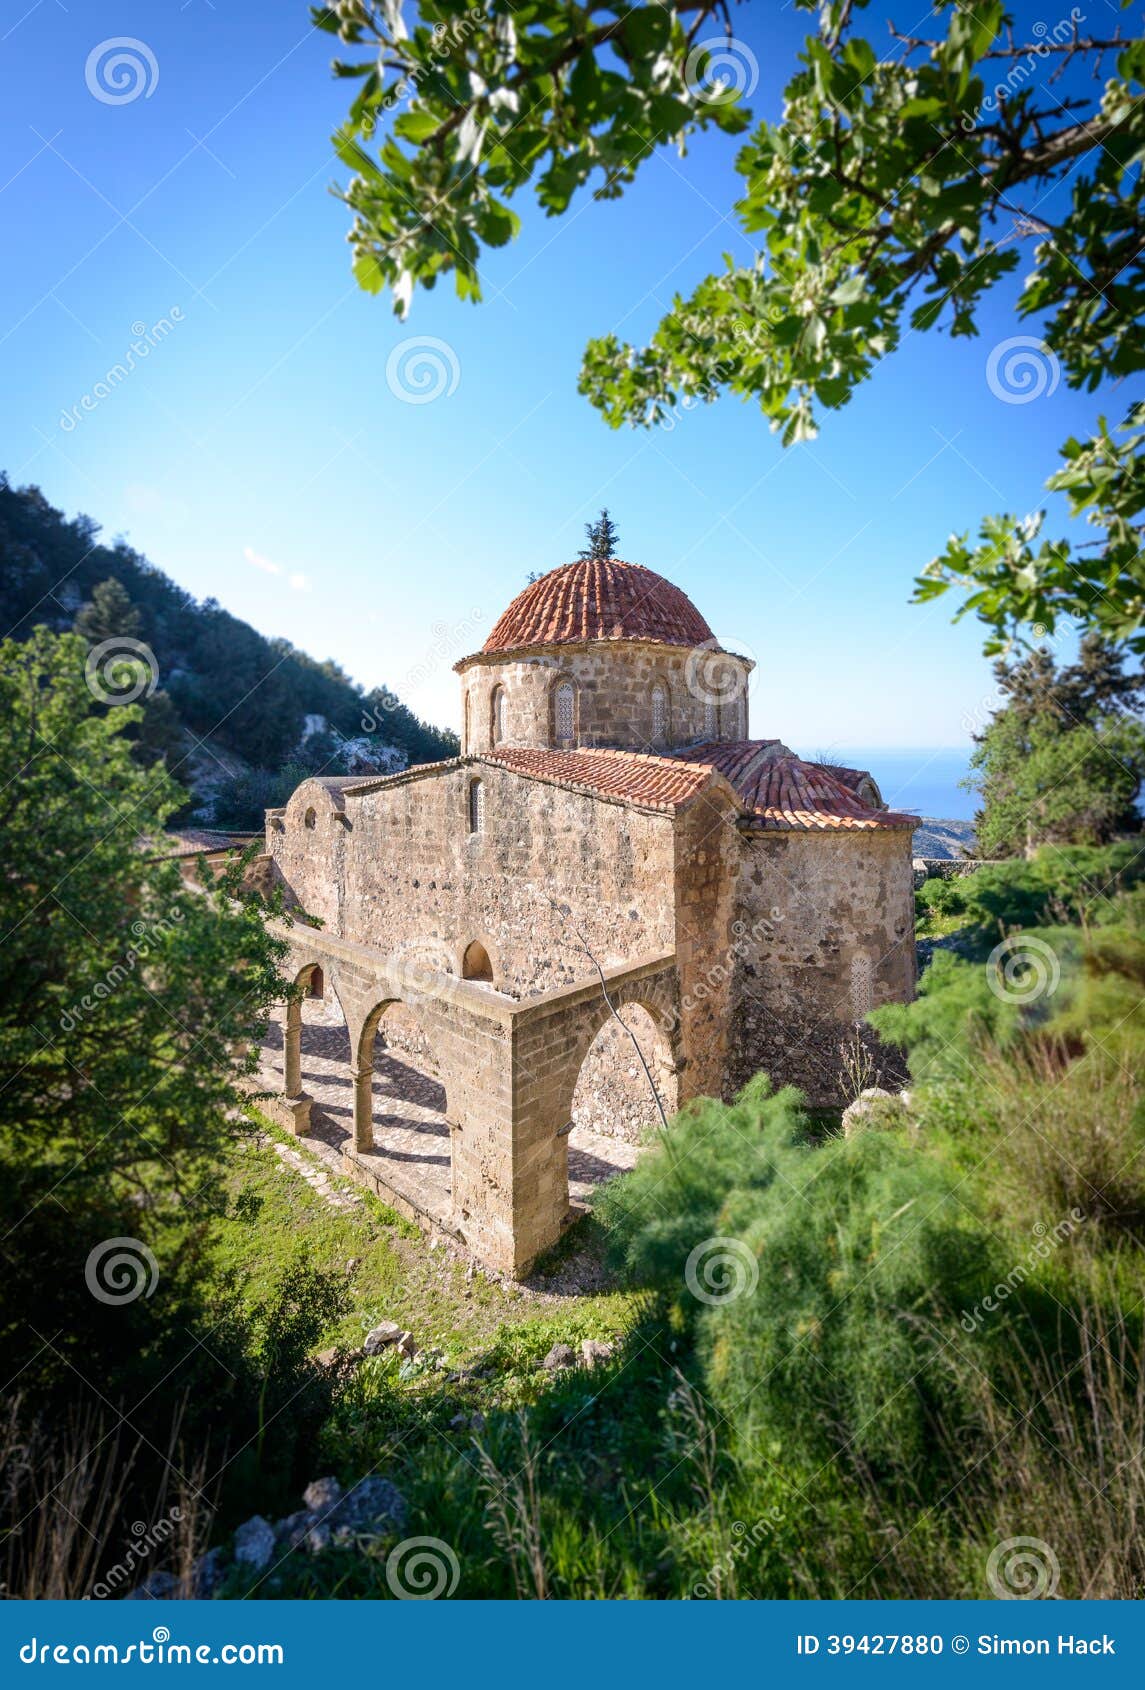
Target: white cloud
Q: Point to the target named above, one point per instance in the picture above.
(296, 580)
(267, 565)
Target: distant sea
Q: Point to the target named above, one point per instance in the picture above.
(925, 781)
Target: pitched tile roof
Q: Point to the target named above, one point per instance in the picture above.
(599, 599)
(650, 783)
(781, 791)
(190, 841)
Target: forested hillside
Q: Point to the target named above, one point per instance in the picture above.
(225, 707)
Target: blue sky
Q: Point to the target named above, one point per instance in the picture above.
(258, 455)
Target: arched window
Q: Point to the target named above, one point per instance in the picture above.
(564, 714)
(476, 806)
(711, 719)
(309, 819)
(497, 715)
(475, 964)
(659, 714)
(316, 986)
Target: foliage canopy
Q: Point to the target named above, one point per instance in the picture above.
(891, 198)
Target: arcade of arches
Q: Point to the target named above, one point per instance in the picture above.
(610, 858)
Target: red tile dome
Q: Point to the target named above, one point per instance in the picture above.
(599, 599)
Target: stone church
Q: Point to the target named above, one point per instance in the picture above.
(612, 874)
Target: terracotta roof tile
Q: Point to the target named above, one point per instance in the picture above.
(599, 599)
(781, 791)
(652, 783)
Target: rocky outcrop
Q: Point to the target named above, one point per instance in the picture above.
(330, 1517)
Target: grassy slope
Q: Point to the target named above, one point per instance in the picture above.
(395, 1276)
(597, 1438)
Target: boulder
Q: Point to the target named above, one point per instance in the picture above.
(156, 1587)
(254, 1542)
(370, 1508)
(558, 1358)
(381, 1337)
(593, 1351)
(875, 1109)
(207, 1573)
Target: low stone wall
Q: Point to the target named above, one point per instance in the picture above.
(946, 868)
(612, 1096)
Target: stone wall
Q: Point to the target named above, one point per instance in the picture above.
(706, 696)
(945, 868)
(612, 1096)
(824, 931)
(705, 885)
(398, 869)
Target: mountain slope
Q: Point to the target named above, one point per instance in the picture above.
(236, 715)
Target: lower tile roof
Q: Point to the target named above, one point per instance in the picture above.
(633, 777)
(782, 791)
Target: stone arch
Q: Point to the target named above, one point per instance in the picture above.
(661, 714)
(611, 1095)
(497, 708)
(561, 1043)
(305, 979)
(310, 818)
(362, 1055)
(475, 805)
(477, 962)
(564, 712)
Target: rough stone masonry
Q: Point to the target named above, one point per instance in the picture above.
(610, 839)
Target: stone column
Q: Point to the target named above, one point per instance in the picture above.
(292, 1050)
(363, 1079)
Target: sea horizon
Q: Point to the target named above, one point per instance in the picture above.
(921, 779)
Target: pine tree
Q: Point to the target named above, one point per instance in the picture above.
(603, 537)
(109, 614)
(1061, 760)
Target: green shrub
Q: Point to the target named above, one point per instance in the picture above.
(862, 1259)
(941, 897)
(673, 1199)
(1059, 885)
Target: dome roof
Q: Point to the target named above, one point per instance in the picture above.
(599, 599)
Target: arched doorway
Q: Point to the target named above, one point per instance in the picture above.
(400, 1108)
(613, 1109)
(311, 1007)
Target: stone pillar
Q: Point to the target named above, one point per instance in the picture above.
(292, 1050)
(363, 1079)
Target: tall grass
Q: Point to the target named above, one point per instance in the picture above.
(74, 1524)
